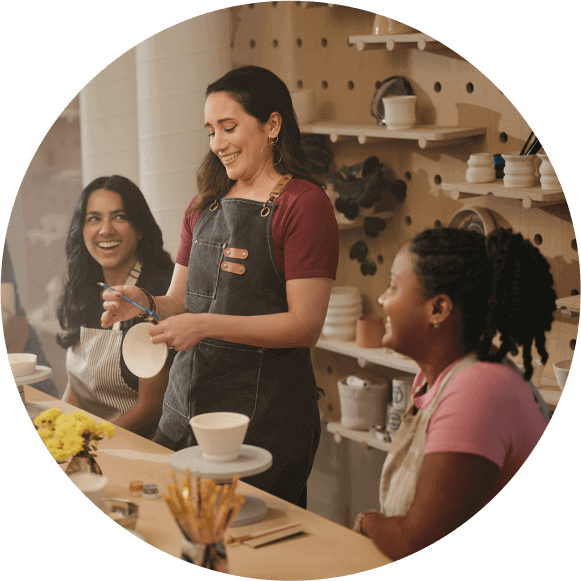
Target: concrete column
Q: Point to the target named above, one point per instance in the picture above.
(174, 68)
(108, 109)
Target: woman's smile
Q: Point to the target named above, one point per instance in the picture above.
(227, 158)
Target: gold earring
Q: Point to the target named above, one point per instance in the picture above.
(436, 325)
(273, 142)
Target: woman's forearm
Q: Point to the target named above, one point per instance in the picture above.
(168, 306)
(280, 330)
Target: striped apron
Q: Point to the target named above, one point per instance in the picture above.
(94, 369)
(402, 467)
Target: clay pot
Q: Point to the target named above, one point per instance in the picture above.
(370, 331)
(549, 179)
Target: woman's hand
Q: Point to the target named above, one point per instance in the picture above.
(118, 309)
(180, 332)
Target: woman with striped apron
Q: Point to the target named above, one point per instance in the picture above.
(94, 369)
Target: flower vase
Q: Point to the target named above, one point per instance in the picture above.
(519, 170)
(480, 169)
(83, 464)
(549, 180)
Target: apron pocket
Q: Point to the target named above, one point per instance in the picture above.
(206, 256)
(225, 377)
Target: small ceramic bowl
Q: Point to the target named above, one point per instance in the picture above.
(561, 369)
(344, 296)
(354, 311)
(141, 356)
(91, 485)
(220, 434)
(123, 512)
(340, 332)
(22, 363)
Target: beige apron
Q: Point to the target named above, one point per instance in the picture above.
(403, 464)
(94, 369)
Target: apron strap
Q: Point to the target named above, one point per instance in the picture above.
(276, 191)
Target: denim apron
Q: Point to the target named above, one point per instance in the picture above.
(232, 270)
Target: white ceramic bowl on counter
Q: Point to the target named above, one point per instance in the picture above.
(22, 363)
(561, 369)
(220, 434)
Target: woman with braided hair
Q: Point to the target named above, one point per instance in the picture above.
(472, 419)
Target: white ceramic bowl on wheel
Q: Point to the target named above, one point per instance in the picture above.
(22, 363)
(220, 434)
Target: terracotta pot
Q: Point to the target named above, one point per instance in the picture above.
(370, 331)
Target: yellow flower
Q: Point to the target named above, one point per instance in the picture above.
(107, 429)
(67, 435)
(48, 416)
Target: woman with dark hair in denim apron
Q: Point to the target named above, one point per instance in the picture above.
(251, 286)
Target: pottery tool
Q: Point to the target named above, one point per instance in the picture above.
(150, 313)
(203, 517)
(273, 534)
(534, 148)
(524, 147)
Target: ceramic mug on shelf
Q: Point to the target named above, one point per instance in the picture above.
(480, 168)
(549, 179)
(399, 112)
(519, 170)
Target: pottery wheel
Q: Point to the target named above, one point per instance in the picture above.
(251, 460)
(39, 374)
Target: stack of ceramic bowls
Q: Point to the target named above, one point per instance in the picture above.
(345, 307)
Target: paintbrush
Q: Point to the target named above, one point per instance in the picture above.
(150, 313)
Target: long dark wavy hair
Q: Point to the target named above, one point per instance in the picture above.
(500, 283)
(80, 297)
(261, 93)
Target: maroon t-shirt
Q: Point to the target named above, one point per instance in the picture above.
(304, 233)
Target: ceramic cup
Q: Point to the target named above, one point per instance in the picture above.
(561, 369)
(91, 485)
(380, 25)
(370, 331)
(399, 112)
(304, 105)
(519, 170)
(549, 179)
(401, 389)
(480, 168)
(141, 356)
(220, 434)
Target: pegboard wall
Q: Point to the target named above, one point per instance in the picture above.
(307, 45)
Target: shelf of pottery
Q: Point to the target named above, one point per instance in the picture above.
(520, 180)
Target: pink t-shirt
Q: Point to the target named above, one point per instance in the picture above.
(486, 409)
(304, 233)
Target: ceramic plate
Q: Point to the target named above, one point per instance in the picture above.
(141, 356)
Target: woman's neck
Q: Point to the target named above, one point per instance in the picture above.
(118, 276)
(256, 188)
(439, 358)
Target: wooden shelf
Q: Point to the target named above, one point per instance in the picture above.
(550, 392)
(425, 135)
(365, 438)
(345, 224)
(531, 197)
(389, 42)
(377, 356)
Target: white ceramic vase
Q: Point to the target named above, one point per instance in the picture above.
(549, 179)
(519, 170)
(480, 168)
(399, 112)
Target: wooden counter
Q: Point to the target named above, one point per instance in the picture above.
(327, 550)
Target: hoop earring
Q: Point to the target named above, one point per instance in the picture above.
(273, 142)
(274, 146)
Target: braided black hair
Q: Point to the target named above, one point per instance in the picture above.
(500, 283)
